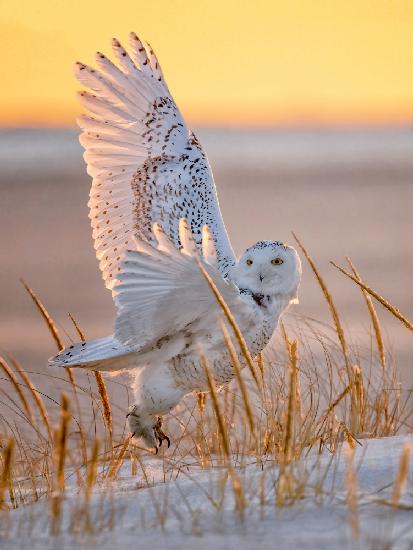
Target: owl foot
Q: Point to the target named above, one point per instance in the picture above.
(160, 434)
(142, 425)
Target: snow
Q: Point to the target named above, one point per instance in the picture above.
(188, 507)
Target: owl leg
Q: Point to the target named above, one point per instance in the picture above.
(155, 395)
(148, 427)
(142, 425)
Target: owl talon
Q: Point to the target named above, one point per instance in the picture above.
(160, 434)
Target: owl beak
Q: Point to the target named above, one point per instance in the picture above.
(261, 277)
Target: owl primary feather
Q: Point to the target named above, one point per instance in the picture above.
(155, 218)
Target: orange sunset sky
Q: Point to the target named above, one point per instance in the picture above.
(239, 63)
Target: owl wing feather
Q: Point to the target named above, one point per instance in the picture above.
(161, 292)
(145, 163)
(165, 305)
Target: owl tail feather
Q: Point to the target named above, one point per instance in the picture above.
(103, 354)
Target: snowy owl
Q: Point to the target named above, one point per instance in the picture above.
(156, 218)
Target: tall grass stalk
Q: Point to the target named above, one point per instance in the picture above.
(393, 310)
(36, 396)
(242, 386)
(50, 325)
(107, 413)
(402, 474)
(13, 380)
(373, 316)
(6, 477)
(60, 455)
(352, 493)
(331, 305)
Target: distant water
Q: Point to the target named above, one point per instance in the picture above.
(344, 192)
(269, 149)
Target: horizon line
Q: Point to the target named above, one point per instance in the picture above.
(225, 125)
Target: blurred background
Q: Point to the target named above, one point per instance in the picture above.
(304, 108)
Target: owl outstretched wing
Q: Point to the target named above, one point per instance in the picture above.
(145, 163)
(165, 305)
(161, 293)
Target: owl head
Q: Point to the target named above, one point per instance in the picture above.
(270, 268)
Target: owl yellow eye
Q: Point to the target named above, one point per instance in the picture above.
(249, 262)
(277, 261)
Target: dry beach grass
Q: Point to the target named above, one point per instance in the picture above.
(289, 416)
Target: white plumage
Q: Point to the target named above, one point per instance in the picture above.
(155, 217)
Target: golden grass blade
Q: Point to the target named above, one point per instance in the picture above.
(45, 314)
(36, 397)
(51, 325)
(92, 468)
(241, 341)
(239, 494)
(73, 383)
(293, 364)
(12, 377)
(352, 488)
(61, 442)
(384, 502)
(201, 399)
(107, 413)
(91, 475)
(215, 404)
(330, 302)
(402, 474)
(357, 406)
(260, 363)
(285, 337)
(292, 395)
(241, 383)
(118, 460)
(69, 370)
(55, 511)
(393, 310)
(59, 455)
(71, 377)
(5, 478)
(349, 437)
(334, 404)
(133, 466)
(78, 329)
(373, 315)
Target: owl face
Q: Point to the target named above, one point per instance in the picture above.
(269, 267)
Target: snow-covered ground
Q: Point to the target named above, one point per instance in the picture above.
(189, 508)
